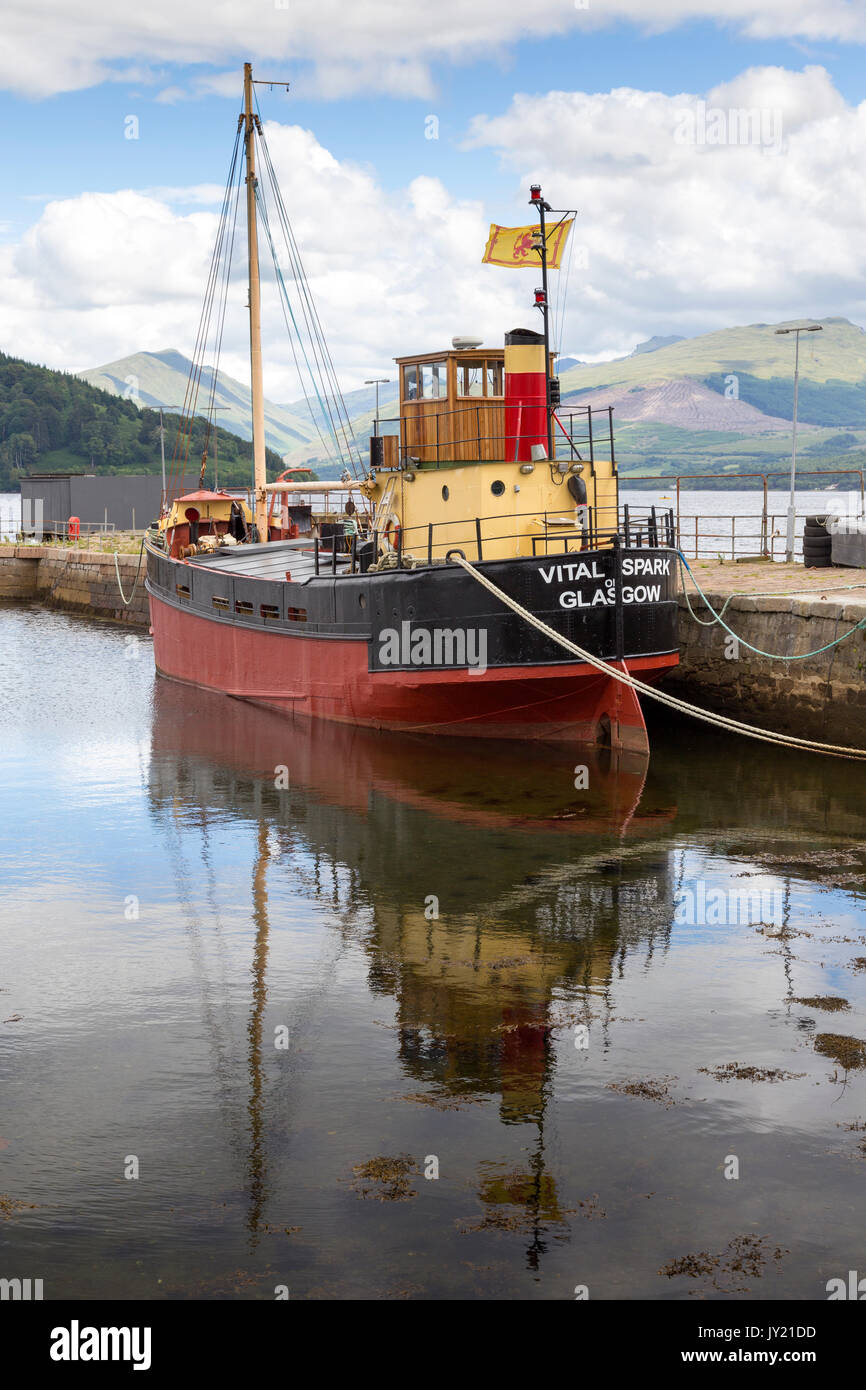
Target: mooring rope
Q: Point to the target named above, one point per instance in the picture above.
(831, 750)
(128, 601)
(717, 618)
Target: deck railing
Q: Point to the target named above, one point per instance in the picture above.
(478, 538)
(579, 432)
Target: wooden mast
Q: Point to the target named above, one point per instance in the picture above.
(255, 307)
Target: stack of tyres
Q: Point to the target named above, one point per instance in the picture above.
(817, 543)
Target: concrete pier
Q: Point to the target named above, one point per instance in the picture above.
(787, 610)
(81, 581)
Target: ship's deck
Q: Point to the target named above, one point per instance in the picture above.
(271, 560)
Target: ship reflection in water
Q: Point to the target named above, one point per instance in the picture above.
(475, 870)
(507, 907)
(383, 1017)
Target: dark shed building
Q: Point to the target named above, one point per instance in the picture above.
(94, 499)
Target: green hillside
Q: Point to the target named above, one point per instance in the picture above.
(674, 412)
(836, 355)
(755, 364)
(832, 402)
(54, 422)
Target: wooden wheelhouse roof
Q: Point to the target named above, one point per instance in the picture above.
(465, 354)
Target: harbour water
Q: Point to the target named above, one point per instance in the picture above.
(307, 1009)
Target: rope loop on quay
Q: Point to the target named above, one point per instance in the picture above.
(128, 601)
(717, 618)
(832, 750)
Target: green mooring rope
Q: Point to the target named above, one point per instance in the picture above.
(717, 618)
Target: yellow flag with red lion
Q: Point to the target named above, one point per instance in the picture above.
(512, 247)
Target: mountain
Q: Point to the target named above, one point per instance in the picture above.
(653, 344)
(160, 378)
(361, 409)
(720, 402)
(723, 401)
(357, 402)
(295, 431)
(832, 369)
(686, 403)
(54, 422)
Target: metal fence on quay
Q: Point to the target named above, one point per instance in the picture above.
(759, 534)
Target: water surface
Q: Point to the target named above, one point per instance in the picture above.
(220, 957)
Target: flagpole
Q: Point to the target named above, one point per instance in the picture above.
(536, 200)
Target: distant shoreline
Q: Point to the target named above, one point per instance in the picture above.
(736, 484)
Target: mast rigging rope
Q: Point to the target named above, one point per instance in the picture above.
(318, 342)
(219, 271)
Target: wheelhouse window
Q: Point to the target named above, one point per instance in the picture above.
(494, 372)
(470, 379)
(410, 383)
(480, 378)
(434, 380)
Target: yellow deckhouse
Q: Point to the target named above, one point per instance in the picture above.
(467, 465)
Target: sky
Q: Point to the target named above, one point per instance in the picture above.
(715, 156)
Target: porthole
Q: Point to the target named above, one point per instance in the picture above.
(445, 494)
(497, 488)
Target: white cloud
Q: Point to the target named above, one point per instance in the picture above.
(220, 84)
(683, 233)
(372, 45)
(201, 194)
(678, 237)
(103, 275)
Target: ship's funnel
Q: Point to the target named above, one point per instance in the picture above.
(525, 395)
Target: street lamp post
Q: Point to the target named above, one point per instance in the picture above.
(801, 328)
(377, 381)
(161, 408)
(216, 447)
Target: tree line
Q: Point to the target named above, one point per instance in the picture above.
(52, 421)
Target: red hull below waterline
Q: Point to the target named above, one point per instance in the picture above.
(328, 678)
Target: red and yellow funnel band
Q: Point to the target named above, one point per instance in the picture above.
(525, 394)
(524, 358)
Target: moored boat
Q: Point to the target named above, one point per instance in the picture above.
(362, 613)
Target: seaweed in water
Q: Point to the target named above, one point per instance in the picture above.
(733, 1071)
(849, 1053)
(744, 1257)
(386, 1179)
(830, 1003)
(652, 1088)
(8, 1205)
